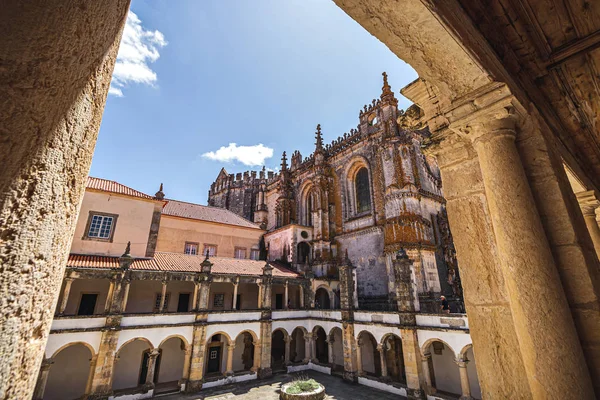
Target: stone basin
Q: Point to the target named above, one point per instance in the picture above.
(317, 394)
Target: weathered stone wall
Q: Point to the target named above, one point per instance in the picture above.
(57, 59)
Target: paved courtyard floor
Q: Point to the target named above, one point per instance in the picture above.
(268, 389)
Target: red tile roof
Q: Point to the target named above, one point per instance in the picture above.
(177, 262)
(205, 213)
(114, 187)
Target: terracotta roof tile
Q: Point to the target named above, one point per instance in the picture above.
(177, 262)
(114, 187)
(205, 213)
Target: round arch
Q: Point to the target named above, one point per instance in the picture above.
(298, 345)
(336, 338)
(285, 333)
(321, 344)
(143, 339)
(89, 347)
(428, 343)
(169, 366)
(131, 363)
(369, 356)
(183, 339)
(222, 333)
(355, 165)
(324, 297)
(69, 372)
(443, 370)
(392, 350)
(243, 353)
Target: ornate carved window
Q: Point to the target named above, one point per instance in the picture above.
(363, 192)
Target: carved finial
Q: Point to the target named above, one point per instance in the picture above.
(127, 250)
(386, 91)
(207, 255)
(160, 195)
(319, 138)
(284, 161)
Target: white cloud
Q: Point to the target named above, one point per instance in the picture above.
(247, 155)
(139, 47)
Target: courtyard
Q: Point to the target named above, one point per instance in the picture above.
(268, 389)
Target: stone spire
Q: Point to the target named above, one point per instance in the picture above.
(319, 139)
(160, 195)
(284, 165)
(387, 96)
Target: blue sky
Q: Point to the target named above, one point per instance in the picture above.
(195, 76)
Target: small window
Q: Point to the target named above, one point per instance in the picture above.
(212, 250)
(191, 248)
(254, 254)
(240, 253)
(363, 192)
(157, 302)
(100, 226)
(219, 300)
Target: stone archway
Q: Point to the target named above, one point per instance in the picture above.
(322, 299)
(278, 349)
(243, 354)
(370, 364)
(337, 349)
(69, 373)
(298, 346)
(394, 358)
(170, 370)
(131, 365)
(321, 345)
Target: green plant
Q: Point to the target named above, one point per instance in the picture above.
(302, 386)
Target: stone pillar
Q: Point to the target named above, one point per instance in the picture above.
(88, 385)
(195, 297)
(186, 364)
(152, 356)
(308, 337)
(537, 299)
(163, 294)
(109, 296)
(197, 361)
(101, 384)
(65, 296)
(230, 349)
(313, 346)
(464, 378)
(415, 378)
(589, 204)
(256, 361)
(330, 358)
(287, 341)
(42, 378)
(301, 287)
(235, 292)
(383, 360)
(204, 295)
(260, 295)
(359, 369)
(285, 296)
(403, 282)
(426, 367)
(55, 79)
(266, 328)
(127, 284)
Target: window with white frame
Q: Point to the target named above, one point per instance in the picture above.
(100, 226)
(240, 253)
(254, 254)
(211, 248)
(191, 248)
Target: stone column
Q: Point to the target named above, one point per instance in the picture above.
(256, 361)
(415, 377)
(161, 309)
(313, 345)
(260, 296)
(152, 356)
(330, 357)
(204, 295)
(40, 385)
(301, 287)
(55, 79)
(195, 297)
(235, 291)
(537, 298)
(287, 341)
(426, 367)
(197, 361)
(88, 385)
(308, 337)
(383, 360)
(359, 369)
(109, 296)
(65, 296)
(589, 204)
(186, 364)
(101, 385)
(464, 378)
(127, 283)
(285, 296)
(266, 328)
(230, 349)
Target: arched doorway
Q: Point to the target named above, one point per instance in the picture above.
(278, 350)
(131, 365)
(243, 354)
(392, 348)
(322, 299)
(469, 357)
(172, 360)
(298, 346)
(216, 354)
(303, 251)
(68, 375)
(321, 346)
(443, 370)
(337, 357)
(370, 361)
